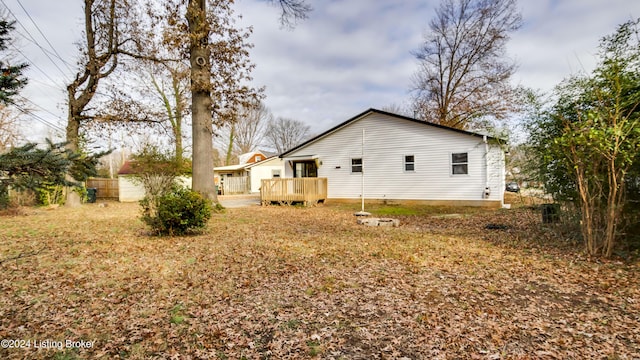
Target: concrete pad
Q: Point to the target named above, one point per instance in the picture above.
(384, 222)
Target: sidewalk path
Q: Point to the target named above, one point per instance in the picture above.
(236, 201)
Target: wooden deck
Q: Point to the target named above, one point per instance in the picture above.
(286, 191)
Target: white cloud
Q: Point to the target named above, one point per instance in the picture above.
(560, 38)
(352, 55)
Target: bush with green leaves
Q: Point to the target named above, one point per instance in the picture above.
(587, 145)
(50, 194)
(176, 212)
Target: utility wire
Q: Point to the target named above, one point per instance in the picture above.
(44, 51)
(44, 36)
(40, 107)
(38, 117)
(37, 80)
(33, 64)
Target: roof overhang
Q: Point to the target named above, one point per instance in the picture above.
(301, 158)
(231, 167)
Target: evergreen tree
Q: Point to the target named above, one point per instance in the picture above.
(11, 79)
(31, 168)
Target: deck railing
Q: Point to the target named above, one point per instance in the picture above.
(309, 191)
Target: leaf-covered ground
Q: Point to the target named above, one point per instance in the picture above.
(295, 283)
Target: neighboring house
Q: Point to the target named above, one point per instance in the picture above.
(130, 190)
(231, 179)
(245, 177)
(270, 168)
(253, 157)
(402, 159)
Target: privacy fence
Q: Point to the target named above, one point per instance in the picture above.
(107, 188)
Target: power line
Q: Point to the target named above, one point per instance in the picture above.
(44, 51)
(44, 36)
(33, 63)
(38, 106)
(39, 118)
(37, 80)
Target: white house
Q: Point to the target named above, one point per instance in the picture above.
(271, 168)
(391, 157)
(245, 177)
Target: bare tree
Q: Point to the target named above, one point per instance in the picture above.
(283, 134)
(163, 92)
(246, 132)
(397, 109)
(251, 126)
(109, 31)
(9, 128)
(464, 74)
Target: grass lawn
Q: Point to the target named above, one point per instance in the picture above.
(295, 283)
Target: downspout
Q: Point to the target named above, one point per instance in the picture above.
(362, 173)
(487, 189)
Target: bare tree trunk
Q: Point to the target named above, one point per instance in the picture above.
(586, 212)
(232, 135)
(73, 139)
(615, 201)
(202, 128)
(177, 126)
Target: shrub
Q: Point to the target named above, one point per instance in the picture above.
(176, 212)
(4, 196)
(50, 194)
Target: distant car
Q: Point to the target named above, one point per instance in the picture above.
(513, 187)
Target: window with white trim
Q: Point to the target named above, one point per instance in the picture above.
(356, 165)
(409, 163)
(460, 163)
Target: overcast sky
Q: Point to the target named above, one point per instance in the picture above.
(347, 57)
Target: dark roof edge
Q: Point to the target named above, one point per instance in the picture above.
(372, 110)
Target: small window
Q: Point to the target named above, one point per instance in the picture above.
(356, 165)
(258, 158)
(275, 173)
(459, 163)
(409, 163)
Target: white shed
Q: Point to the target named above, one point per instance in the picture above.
(130, 190)
(397, 158)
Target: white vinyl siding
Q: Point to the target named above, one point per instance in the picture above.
(387, 141)
(130, 189)
(267, 169)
